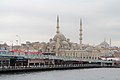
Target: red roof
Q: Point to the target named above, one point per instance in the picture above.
(26, 52)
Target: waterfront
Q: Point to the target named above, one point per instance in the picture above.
(77, 74)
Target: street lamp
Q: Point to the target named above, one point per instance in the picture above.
(1, 44)
(11, 45)
(18, 39)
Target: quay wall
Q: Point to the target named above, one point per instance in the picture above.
(53, 67)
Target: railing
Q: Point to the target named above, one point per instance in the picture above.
(62, 66)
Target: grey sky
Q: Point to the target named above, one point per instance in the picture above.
(35, 20)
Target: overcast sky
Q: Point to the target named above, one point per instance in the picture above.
(35, 20)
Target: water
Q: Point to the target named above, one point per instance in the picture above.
(78, 74)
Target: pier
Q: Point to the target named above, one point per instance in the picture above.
(37, 61)
(26, 65)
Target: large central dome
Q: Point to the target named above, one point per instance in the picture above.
(60, 36)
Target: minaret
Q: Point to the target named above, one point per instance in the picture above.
(110, 42)
(57, 25)
(58, 40)
(81, 34)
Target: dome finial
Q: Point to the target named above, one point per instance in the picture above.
(57, 25)
(104, 39)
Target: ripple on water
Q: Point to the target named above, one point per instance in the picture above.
(77, 74)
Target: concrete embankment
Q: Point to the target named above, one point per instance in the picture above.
(51, 67)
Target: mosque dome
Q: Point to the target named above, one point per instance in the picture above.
(43, 43)
(60, 36)
(52, 42)
(104, 44)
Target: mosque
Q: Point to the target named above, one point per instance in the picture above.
(62, 46)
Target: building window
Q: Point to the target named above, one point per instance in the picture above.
(95, 57)
(89, 57)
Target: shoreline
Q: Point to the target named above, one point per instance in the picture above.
(48, 68)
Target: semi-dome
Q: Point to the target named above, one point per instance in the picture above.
(60, 36)
(52, 42)
(65, 43)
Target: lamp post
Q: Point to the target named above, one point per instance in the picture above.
(18, 39)
(1, 44)
(11, 45)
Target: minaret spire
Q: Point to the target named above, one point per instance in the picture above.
(57, 25)
(80, 33)
(110, 42)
